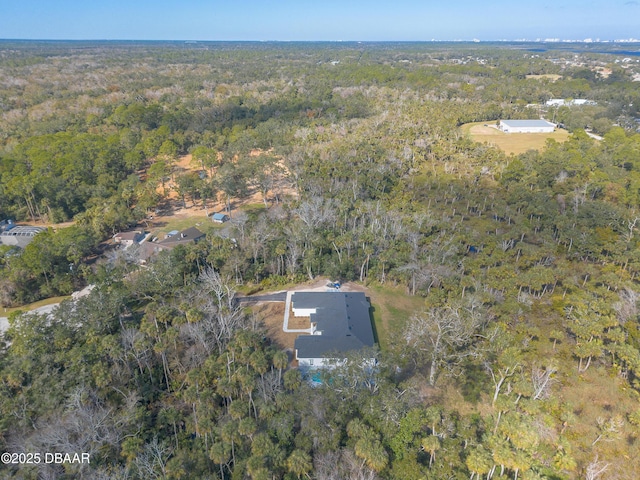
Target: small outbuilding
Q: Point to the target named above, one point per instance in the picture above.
(526, 126)
(220, 217)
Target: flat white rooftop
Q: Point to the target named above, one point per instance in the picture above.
(527, 123)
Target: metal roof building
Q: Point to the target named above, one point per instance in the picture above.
(19, 235)
(220, 217)
(526, 126)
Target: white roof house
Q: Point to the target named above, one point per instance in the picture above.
(526, 126)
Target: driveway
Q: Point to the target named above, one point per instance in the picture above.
(272, 297)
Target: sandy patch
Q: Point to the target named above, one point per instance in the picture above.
(271, 315)
(485, 129)
(547, 76)
(195, 209)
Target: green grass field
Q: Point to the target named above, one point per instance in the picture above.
(511, 143)
(175, 223)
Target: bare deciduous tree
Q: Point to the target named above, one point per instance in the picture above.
(627, 307)
(608, 430)
(445, 336)
(595, 469)
(542, 380)
(152, 461)
(342, 464)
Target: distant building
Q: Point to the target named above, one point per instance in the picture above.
(17, 235)
(526, 126)
(560, 102)
(340, 323)
(220, 217)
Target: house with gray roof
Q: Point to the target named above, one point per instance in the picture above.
(340, 323)
(180, 238)
(173, 239)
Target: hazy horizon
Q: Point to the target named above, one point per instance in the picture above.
(286, 20)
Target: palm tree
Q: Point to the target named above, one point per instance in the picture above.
(519, 461)
(431, 444)
(564, 461)
(372, 452)
(229, 434)
(220, 453)
(280, 361)
(478, 462)
(292, 379)
(299, 463)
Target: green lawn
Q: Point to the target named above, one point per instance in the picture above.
(251, 208)
(392, 308)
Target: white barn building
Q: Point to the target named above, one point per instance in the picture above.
(526, 126)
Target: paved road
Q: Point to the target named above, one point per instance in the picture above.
(272, 297)
(4, 321)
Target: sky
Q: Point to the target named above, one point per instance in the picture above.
(316, 20)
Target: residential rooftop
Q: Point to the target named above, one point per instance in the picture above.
(342, 323)
(186, 236)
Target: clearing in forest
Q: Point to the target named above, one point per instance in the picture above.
(511, 143)
(391, 307)
(196, 208)
(177, 215)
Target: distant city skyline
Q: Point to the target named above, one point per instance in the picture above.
(330, 20)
